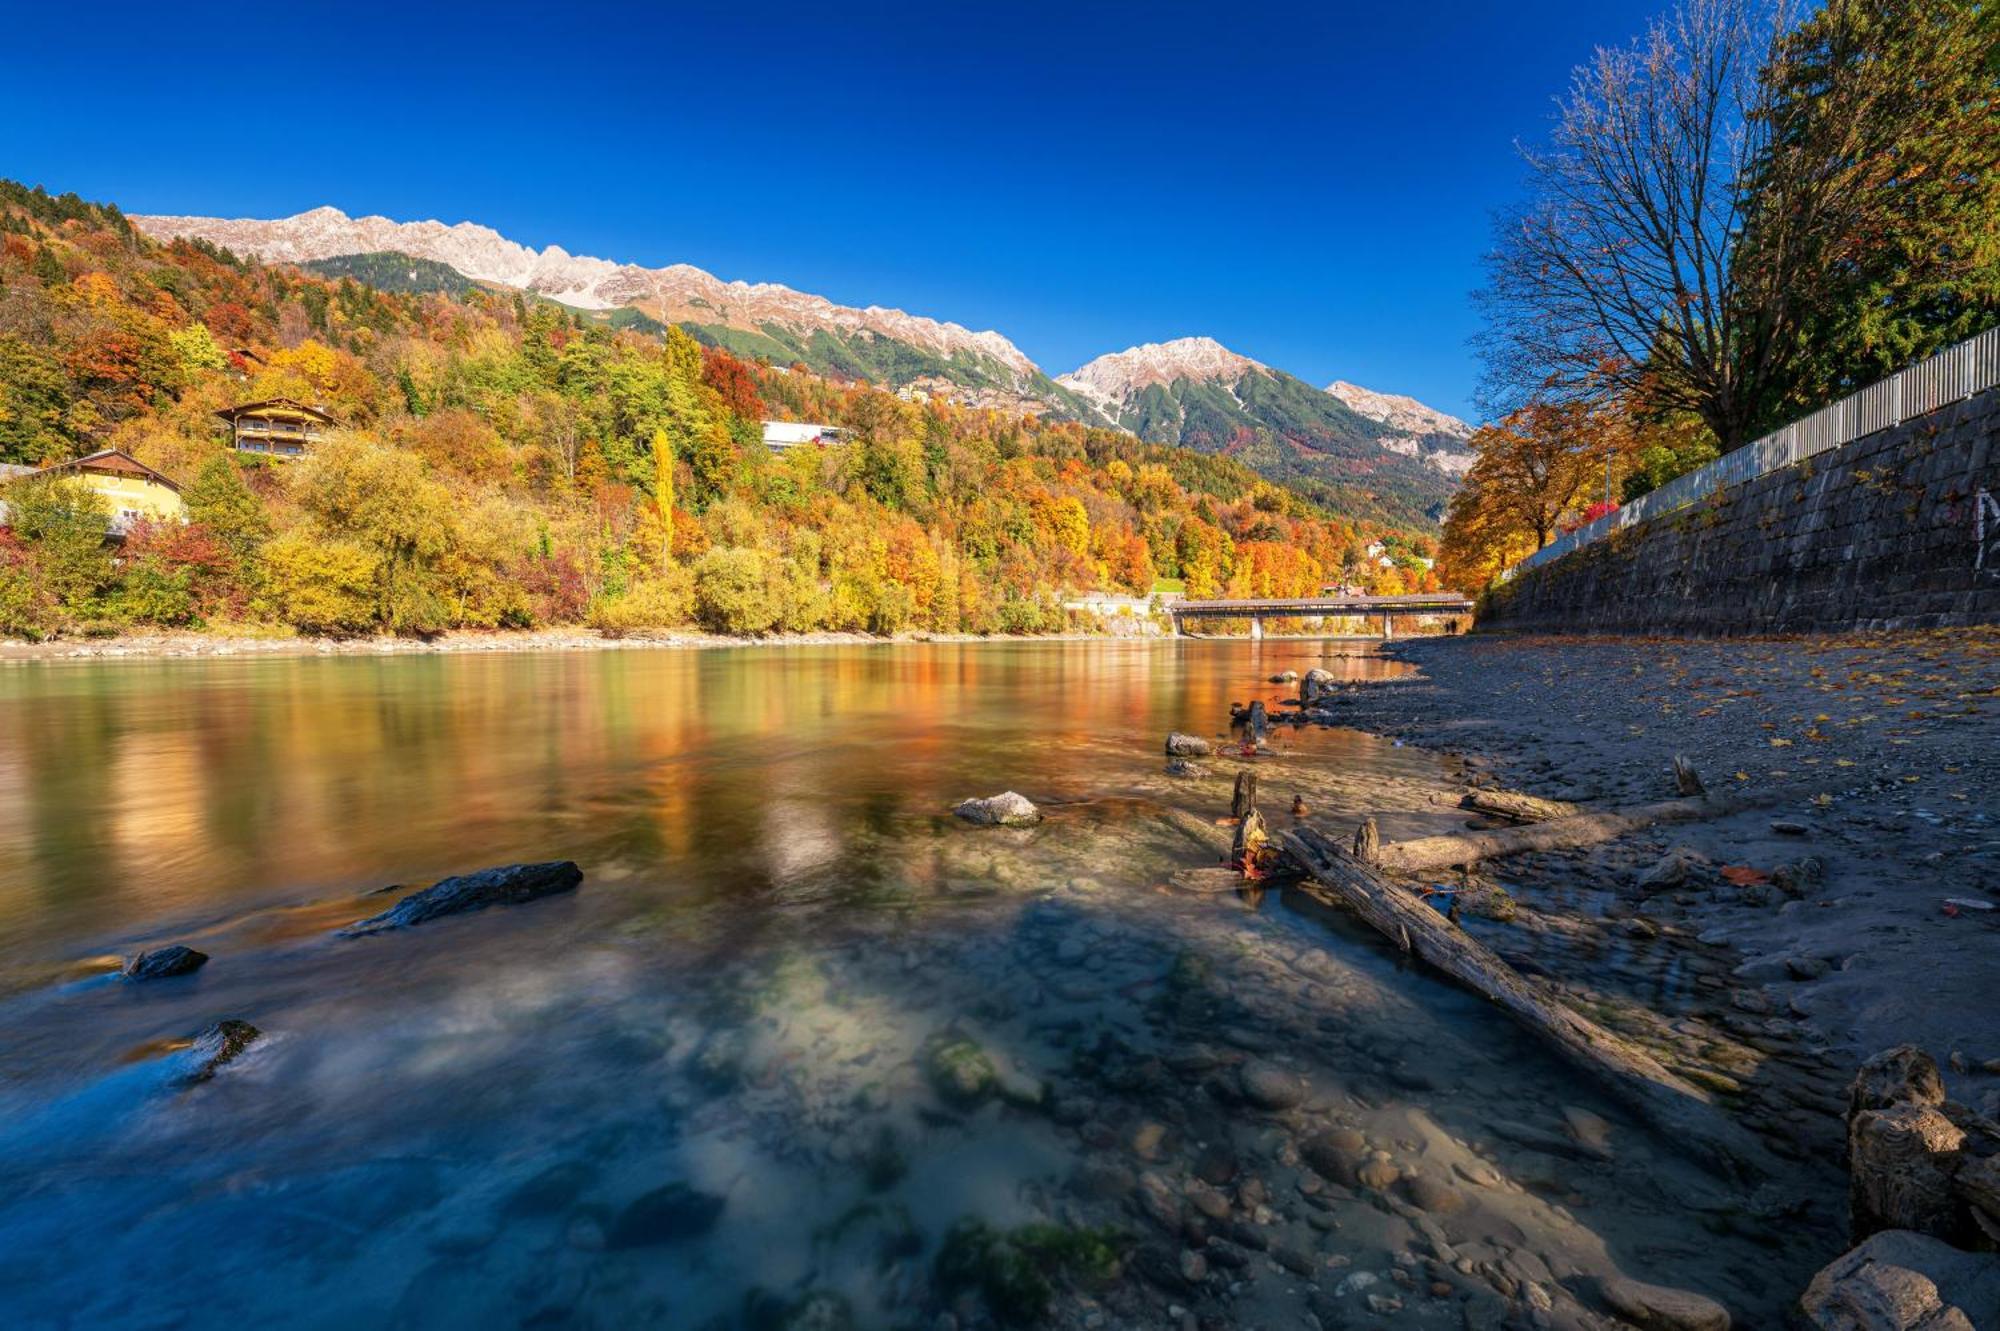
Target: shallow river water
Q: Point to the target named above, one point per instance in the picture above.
(804, 1050)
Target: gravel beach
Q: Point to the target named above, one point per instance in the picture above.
(1884, 746)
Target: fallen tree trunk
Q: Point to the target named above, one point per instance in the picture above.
(1520, 808)
(1423, 854)
(1682, 1111)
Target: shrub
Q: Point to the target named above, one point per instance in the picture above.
(320, 586)
(734, 591)
(658, 602)
(151, 593)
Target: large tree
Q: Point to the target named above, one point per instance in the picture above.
(1614, 278)
(1873, 213)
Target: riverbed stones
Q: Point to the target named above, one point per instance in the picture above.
(1007, 809)
(504, 885)
(215, 1047)
(1431, 1194)
(1181, 745)
(1662, 1308)
(670, 1214)
(163, 963)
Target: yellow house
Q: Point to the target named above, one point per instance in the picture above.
(132, 489)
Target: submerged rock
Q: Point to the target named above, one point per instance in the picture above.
(1336, 1154)
(216, 1046)
(1004, 810)
(163, 963)
(1659, 1308)
(671, 1214)
(1899, 1281)
(1182, 767)
(958, 1069)
(1180, 745)
(1268, 1086)
(506, 885)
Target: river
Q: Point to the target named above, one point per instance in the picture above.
(715, 1086)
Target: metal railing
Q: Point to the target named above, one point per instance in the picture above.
(1954, 374)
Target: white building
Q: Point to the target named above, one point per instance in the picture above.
(783, 436)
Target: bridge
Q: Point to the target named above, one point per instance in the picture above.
(1320, 607)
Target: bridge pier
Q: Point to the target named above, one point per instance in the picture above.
(1256, 629)
(1387, 633)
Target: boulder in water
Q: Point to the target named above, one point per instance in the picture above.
(216, 1046)
(665, 1215)
(1181, 745)
(163, 963)
(506, 885)
(1004, 810)
(1316, 685)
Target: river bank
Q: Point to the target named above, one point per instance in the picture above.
(192, 644)
(1889, 738)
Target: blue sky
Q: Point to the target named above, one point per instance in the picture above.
(1311, 185)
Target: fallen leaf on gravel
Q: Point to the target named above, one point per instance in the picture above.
(1781, 744)
(1743, 875)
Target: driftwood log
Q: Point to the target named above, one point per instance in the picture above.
(1520, 808)
(1682, 1111)
(1425, 854)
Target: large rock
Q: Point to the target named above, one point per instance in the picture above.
(1003, 810)
(1180, 745)
(163, 963)
(1900, 1161)
(216, 1046)
(1903, 1075)
(1899, 1281)
(507, 885)
(1336, 1154)
(1316, 685)
(1660, 1308)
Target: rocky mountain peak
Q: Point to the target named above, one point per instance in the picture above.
(1405, 414)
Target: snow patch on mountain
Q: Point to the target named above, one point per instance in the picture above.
(677, 293)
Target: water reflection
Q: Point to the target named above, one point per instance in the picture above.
(797, 1030)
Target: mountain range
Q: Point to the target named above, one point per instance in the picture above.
(1353, 449)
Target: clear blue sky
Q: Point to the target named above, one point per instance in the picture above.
(1311, 184)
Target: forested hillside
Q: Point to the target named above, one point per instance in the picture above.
(507, 462)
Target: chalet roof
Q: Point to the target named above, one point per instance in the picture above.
(108, 461)
(275, 406)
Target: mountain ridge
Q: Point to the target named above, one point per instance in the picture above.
(1380, 447)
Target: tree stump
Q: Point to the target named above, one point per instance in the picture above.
(1243, 802)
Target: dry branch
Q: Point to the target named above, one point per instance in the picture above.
(1425, 854)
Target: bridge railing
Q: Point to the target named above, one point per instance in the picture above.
(1954, 374)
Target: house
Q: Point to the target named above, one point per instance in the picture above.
(132, 489)
(278, 427)
(783, 436)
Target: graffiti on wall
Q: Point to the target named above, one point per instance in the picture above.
(1986, 534)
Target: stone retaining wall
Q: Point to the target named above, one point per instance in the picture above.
(1898, 529)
